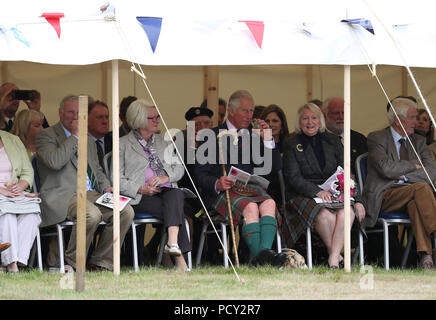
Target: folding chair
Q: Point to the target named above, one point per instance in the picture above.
(385, 219)
(223, 231)
(59, 226)
(144, 218)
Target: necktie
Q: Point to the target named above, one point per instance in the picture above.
(9, 125)
(100, 152)
(403, 150)
(92, 178)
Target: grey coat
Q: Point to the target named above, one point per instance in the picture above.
(134, 162)
(57, 168)
(384, 167)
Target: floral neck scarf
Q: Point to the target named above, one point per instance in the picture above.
(148, 146)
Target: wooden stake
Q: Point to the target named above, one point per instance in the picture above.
(116, 166)
(347, 175)
(81, 193)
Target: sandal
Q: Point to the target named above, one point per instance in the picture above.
(426, 262)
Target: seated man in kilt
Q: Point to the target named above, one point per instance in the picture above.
(253, 154)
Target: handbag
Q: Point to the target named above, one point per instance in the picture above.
(294, 260)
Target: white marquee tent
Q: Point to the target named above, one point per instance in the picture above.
(200, 33)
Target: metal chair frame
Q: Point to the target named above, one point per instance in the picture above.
(144, 218)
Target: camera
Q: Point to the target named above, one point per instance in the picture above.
(23, 94)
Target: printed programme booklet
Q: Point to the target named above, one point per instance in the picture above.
(107, 200)
(244, 178)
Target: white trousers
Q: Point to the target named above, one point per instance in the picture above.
(20, 231)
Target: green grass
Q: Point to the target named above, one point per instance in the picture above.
(218, 283)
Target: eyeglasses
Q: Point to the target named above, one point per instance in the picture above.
(155, 118)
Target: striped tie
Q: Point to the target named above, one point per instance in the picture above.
(92, 178)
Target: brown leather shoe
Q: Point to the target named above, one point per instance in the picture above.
(4, 246)
(426, 262)
(93, 267)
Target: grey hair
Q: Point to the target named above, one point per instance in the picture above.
(315, 109)
(325, 104)
(137, 114)
(66, 99)
(401, 106)
(235, 98)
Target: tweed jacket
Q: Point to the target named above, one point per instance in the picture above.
(134, 162)
(17, 154)
(301, 170)
(207, 174)
(384, 167)
(57, 168)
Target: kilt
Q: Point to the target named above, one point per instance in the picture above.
(302, 213)
(238, 203)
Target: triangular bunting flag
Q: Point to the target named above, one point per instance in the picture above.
(152, 28)
(363, 22)
(53, 19)
(256, 28)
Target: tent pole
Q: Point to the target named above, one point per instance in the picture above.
(404, 82)
(103, 87)
(309, 83)
(81, 193)
(4, 72)
(116, 165)
(211, 79)
(347, 229)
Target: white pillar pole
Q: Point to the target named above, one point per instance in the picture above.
(347, 109)
(116, 165)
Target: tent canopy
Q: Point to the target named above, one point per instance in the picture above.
(213, 33)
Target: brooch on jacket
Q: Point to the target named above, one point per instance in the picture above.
(299, 147)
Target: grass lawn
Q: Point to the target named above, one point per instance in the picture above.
(217, 283)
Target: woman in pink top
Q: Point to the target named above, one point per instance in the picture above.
(16, 175)
(149, 175)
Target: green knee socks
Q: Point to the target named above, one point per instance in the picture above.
(260, 235)
(268, 229)
(251, 235)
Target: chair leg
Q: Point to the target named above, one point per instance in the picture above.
(386, 243)
(362, 256)
(434, 250)
(201, 244)
(189, 237)
(309, 247)
(225, 249)
(38, 248)
(135, 247)
(279, 242)
(161, 247)
(409, 245)
(61, 248)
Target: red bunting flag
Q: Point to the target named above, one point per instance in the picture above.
(256, 29)
(54, 20)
